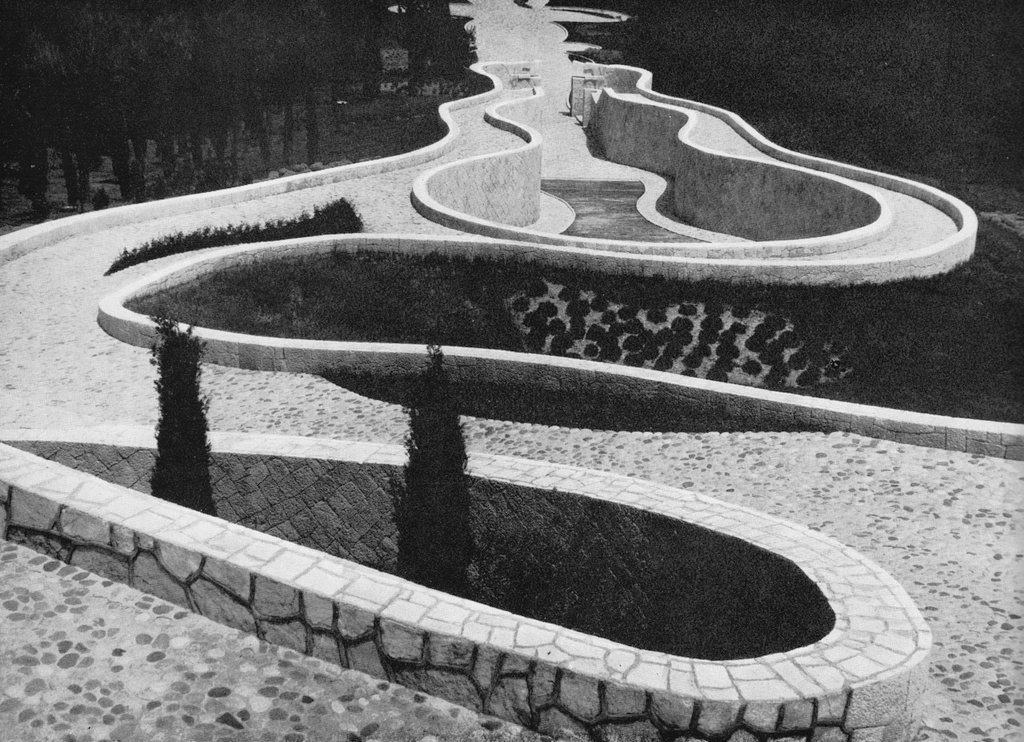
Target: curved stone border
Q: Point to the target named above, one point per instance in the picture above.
(685, 154)
(497, 186)
(859, 682)
(23, 241)
(959, 244)
(556, 214)
(778, 261)
(456, 196)
(755, 408)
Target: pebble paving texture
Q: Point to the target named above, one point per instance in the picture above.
(84, 658)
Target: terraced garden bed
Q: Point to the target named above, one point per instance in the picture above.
(905, 348)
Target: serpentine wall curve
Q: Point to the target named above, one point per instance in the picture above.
(737, 195)
(501, 186)
(738, 407)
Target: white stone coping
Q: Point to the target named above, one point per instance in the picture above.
(23, 241)
(879, 635)
(654, 188)
(311, 356)
(567, 14)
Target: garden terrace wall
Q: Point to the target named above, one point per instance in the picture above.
(949, 252)
(860, 682)
(806, 260)
(502, 187)
(730, 406)
(732, 194)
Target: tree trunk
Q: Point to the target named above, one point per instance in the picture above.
(167, 153)
(140, 146)
(287, 134)
(263, 137)
(84, 169)
(312, 129)
(237, 133)
(32, 176)
(67, 163)
(195, 140)
(121, 161)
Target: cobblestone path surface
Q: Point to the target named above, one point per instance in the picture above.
(947, 525)
(84, 659)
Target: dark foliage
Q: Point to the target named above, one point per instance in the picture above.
(434, 540)
(100, 200)
(181, 473)
(930, 88)
(334, 218)
(194, 83)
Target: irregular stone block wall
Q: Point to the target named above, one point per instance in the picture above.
(736, 195)
(859, 683)
(338, 507)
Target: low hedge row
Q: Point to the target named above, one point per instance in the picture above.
(337, 217)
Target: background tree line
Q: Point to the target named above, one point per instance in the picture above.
(188, 83)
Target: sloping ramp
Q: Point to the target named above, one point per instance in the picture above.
(607, 209)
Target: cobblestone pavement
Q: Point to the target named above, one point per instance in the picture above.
(86, 659)
(947, 525)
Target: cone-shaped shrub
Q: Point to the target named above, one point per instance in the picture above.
(434, 540)
(181, 473)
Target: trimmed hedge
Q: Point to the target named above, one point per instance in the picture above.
(181, 473)
(435, 544)
(337, 217)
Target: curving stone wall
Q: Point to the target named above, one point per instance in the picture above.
(750, 198)
(860, 682)
(731, 406)
(501, 187)
(949, 252)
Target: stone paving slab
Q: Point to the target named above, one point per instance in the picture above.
(84, 659)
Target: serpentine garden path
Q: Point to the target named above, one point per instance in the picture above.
(946, 525)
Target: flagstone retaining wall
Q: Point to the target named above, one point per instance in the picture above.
(858, 683)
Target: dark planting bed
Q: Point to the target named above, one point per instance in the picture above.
(948, 345)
